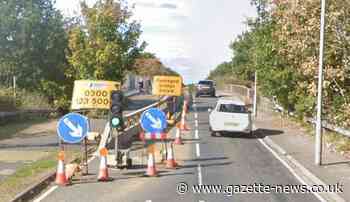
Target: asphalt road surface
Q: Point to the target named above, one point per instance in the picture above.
(231, 159)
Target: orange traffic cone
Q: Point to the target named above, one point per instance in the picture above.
(61, 178)
(103, 172)
(151, 166)
(178, 139)
(171, 163)
(183, 125)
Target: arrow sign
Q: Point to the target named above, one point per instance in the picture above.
(156, 122)
(153, 120)
(76, 131)
(72, 128)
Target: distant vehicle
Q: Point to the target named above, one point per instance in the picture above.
(230, 115)
(206, 87)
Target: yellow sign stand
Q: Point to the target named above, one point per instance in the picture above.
(89, 94)
(167, 85)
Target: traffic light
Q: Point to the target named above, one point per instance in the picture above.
(116, 109)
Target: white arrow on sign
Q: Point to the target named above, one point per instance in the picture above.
(77, 131)
(156, 123)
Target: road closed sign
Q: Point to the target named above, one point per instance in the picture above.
(167, 85)
(89, 94)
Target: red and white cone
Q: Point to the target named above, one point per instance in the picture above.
(178, 139)
(171, 163)
(103, 171)
(61, 178)
(183, 125)
(151, 166)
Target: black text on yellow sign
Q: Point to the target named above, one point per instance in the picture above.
(167, 85)
(89, 94)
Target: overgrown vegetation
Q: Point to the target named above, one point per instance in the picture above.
(282, 45)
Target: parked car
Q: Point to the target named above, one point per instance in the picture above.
(230, 115)
(205, 87)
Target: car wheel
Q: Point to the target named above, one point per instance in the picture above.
(197, 95)
(215, 133)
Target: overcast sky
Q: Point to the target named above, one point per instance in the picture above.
(190, 36)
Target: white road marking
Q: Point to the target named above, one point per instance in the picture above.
(198, 151)
(200, 182)
(289, 168)
(148, 201)
(44, 195)
(196, 135)
(196, 115)
(196, 123)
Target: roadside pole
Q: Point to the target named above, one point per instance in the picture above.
(255, 94)
(318, 142)
(14, 90)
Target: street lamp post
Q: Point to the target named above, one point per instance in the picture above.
(255, 94)
(318, 142)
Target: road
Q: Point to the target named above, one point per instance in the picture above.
(227, 160)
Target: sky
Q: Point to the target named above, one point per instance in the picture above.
(190, 36)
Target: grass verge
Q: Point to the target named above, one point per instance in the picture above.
(31, 173)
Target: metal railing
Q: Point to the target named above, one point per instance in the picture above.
(279, 108)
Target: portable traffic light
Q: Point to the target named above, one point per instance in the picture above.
(116, 109)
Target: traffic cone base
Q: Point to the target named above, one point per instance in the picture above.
(103, 175)
(151, 167)
(171, 163)
(178, 141)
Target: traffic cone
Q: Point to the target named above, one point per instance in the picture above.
(103, 172)
(151, 166)
(183, 125)
(171, 163)
(61, 178)
(178, 139)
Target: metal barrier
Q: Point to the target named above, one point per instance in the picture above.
(242, 90)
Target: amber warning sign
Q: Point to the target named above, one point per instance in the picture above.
(167, 85)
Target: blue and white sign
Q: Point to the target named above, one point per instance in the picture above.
(73, 127)
(153, 120)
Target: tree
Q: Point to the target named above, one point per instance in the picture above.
(106, 45)
(32, 44)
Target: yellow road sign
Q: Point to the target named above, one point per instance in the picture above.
(167, 85)
(89, 94)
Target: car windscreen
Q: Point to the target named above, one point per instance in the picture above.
(232, 108)
(207, 83)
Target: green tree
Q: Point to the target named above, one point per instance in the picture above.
(106, 44)
(32, 44)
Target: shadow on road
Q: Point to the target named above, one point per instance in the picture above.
(259, 133)
(208, 164)
(208, 159)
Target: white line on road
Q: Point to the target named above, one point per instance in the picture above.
(148, 201)
(44, 195)
(196, 136)
(198, 151)
(196, 115)
(200, 182)
(196, 123)
(289, 168)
